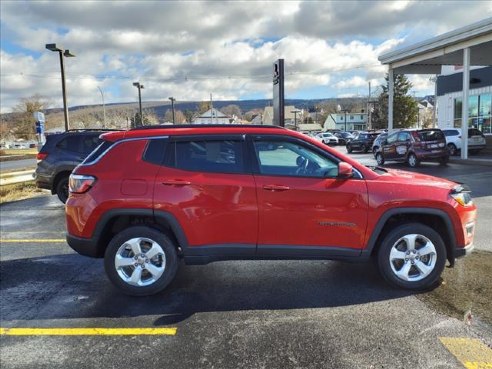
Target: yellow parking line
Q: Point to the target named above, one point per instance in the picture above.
(472, 353)
(34, 240)
(87, 331)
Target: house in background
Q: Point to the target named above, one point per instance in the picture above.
(291, 119)
(212, 116)
(346, 121)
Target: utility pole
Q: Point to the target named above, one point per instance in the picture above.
(104, 107)
(172, 106)
(211, 110)
(139, 86)
(369, 125)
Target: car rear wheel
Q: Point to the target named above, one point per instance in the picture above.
(141, 261)
(62, 189)
(412, 256)
(412, 160)
(452, 149)
(379, 158)
(444, 160)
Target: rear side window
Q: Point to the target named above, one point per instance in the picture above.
(474, 132)
(70, 143)
(103, 146)
(220, 156)
(431, 135)
(451, 132)
(155, 151)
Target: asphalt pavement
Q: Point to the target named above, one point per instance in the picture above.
(237, 314)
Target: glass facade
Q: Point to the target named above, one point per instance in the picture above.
(479, 112)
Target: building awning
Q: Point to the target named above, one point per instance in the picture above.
(429, 56)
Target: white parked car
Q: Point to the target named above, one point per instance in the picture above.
(476, 140)
(327, 138)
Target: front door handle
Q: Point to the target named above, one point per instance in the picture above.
(276, 188)
(176, 182)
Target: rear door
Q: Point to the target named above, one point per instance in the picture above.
(206, 184)
(304, 209)
(402, 145)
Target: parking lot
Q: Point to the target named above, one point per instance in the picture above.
(58, 309)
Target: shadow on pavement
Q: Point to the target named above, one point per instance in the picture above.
(71, 286)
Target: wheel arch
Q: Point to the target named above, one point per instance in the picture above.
(114, 221)
(436, 218)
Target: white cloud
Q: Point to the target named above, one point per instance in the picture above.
(192, 49)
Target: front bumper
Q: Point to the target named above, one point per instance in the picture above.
(463, 251)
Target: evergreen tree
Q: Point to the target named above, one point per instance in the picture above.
(405, 108)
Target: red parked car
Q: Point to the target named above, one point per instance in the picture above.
(146, 198)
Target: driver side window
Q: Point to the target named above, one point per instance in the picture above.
(392, 138)
(286, 158)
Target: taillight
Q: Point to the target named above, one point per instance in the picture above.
(41, 156)
(80, 183)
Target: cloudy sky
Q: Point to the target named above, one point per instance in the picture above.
(189, 49)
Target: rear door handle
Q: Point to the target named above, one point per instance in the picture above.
(276, 188)
(176, 182)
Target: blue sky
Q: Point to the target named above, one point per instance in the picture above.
(193, 48)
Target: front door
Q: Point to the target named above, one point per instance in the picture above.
(304, 209)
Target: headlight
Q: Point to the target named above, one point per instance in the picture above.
(462, 195)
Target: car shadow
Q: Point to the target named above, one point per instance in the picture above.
(72, 287)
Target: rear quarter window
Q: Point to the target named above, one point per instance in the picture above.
(431, 135)
(103, 146)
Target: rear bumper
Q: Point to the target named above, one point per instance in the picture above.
(83, 246)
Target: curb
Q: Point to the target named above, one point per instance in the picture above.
(483, 162)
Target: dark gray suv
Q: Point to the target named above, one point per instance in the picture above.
(61, 153)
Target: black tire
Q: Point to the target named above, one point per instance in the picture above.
(166, 259)
(452, 149)
(412, 160)
(349, 149)
(416, 279)
(444, 160)
(365, 148)
(379, 158)
(374, 151)
(62, 189)
(474, 152)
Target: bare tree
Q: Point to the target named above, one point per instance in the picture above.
(22, 123)
(231, 110)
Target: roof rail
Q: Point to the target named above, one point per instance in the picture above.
(93, 130)
(166, 126)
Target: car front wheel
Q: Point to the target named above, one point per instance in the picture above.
(141, 261)
(412, 256)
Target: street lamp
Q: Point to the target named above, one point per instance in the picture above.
(172, 106)
(104, 107)
(295, 117)
(68, 54)
(139, 86)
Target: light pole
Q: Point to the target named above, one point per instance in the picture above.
(104, 107)
(172, 106)
(68, 54)
(295, 117)
(139, 86)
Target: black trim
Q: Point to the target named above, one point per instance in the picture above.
(399, 211)
(84, 246)
(200, 255)
(463, 251)
(453, 83)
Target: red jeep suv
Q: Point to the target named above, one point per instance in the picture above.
(148, 197)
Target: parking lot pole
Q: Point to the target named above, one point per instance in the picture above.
(464, 105)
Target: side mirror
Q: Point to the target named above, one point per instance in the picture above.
(345, 170)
